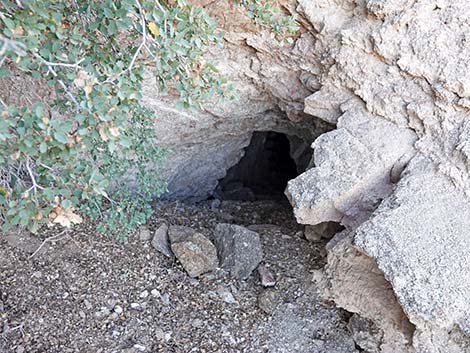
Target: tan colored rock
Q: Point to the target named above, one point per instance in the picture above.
(193, 250)
(353, 281)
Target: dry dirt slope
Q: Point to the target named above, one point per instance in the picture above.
(86, 293)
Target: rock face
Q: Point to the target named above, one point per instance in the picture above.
(392, 77)
(239, 249)
(395, 172)
(271, 87)
(196, 253)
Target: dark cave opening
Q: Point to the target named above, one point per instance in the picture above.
(263, 172)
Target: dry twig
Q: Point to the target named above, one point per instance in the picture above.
(54, 238)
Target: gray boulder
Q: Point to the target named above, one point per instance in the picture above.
(239, 249)
(194, 251)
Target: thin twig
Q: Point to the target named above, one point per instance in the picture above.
(144, 35)
(56, 237)
(17, 47)
(50, 68)
(33, 179)
(74, 65)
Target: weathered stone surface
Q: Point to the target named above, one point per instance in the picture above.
(266, 276)
(354, 282)
(419, 239)
(352, 171)
(365, 333)
(272, 82)
(239, 249)
(394, 78)
(160, 240)
(144, 234)
(194, 251)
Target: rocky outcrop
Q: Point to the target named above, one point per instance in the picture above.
(395, 172)
(392, 77)
(272, 81)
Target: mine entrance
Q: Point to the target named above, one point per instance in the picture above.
(263, 172)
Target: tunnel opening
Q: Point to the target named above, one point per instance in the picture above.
(265, 169)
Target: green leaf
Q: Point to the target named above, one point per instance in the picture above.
(61, 137)
(9, 23)
(43, 147)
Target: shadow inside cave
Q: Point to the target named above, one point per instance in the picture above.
(264, 170)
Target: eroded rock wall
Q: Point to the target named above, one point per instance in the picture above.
(396, 169)
(392, 77)
(272, 81)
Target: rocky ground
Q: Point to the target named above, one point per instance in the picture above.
(87, 293)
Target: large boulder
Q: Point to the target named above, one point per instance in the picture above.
(420, 240)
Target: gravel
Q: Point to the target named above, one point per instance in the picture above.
(89, 293)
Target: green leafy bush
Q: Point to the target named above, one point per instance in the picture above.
(90, 149)
(266, 15)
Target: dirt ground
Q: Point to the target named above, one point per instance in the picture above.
(88, 293)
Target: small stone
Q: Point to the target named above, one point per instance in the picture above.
(166, 299)
(144, 234)
(82, 314)
(193, 282)
(267, 278)
(112, 303)
(118, 309)
(159, 334)
(87, 304)
(37, 274)
(104, 312)
(268, 301)
(226, 295)
(20, 349)
(135, 306)
(194, 251)
(155, 293)
(144, 294)
(140, 348)
(239, 249)
(215, 204)
(227, 217)
(325, 230)
(197, 323)
(160, 241)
